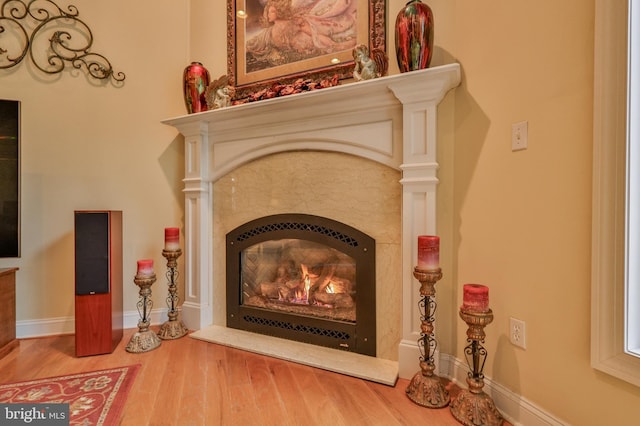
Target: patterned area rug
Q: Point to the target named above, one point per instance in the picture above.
(94, 398)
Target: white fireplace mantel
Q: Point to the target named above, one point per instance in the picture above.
(391, 120)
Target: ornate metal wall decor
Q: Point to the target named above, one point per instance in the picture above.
(53, 38)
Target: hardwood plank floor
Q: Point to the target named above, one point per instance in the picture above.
(191, 382)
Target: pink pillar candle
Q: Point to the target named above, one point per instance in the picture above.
(171, 239)
(145, 267)
(475, 298)
(428, 252)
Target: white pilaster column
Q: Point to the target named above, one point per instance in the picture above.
(419, 184)
(197, 306)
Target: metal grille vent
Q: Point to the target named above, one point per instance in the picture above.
(339, 335)
(298, 226)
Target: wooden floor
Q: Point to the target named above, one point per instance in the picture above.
(192, 382)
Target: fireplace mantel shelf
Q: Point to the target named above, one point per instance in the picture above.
(318, 119)
(415, 86)
(390, 120)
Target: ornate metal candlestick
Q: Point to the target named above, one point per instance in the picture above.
(425, 388)
(144, 340)
(473, 407)
(172, 328)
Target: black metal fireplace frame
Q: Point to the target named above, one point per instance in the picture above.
(359, 337)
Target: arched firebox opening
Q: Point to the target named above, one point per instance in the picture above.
(305, 278)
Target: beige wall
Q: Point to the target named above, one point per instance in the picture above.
(94, 146)
(520, 221)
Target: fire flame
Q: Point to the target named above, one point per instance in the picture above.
(301, 293)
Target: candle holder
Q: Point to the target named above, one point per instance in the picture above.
(426, 388)
(144, 340)
(473, 407)
(173, 328)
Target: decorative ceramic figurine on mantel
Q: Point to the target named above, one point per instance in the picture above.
(369, 66)
(219, 93)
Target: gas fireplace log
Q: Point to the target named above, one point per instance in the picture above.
(293, 284)
(342, 286)
(270, 290)
(328, 271)
(335, 285)
(277, 290)
(285, 293)
(338, 300)
(321, 283)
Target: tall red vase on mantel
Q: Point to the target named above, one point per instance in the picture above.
(195, 81)
(414, 36)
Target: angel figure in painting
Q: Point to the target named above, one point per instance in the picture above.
(367, 67)
(219, 93)
(295, 30)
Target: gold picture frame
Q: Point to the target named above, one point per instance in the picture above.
(281, 41)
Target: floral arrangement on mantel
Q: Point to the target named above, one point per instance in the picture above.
(220, 94)
(277, 89)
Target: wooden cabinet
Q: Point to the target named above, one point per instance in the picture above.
(8, 339)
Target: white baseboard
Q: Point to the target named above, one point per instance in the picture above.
(514, 408)
(66, 325)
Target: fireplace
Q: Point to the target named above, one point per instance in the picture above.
(305, 278)
(389, 125)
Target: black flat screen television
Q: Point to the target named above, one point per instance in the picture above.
(9, 178)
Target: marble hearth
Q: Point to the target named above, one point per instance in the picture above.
(361, 153)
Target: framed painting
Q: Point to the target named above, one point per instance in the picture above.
(9, 178)
(281, 41)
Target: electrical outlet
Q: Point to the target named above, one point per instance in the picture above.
(517, 333)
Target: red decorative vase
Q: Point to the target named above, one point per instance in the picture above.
(414, 36)
(195, 81)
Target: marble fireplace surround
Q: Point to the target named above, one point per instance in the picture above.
(390, 121)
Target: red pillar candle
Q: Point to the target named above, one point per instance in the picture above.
(171, 239)
(428, 252)
(475, 298)
(145, 267)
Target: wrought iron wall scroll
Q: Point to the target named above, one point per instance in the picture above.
(53, 38)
